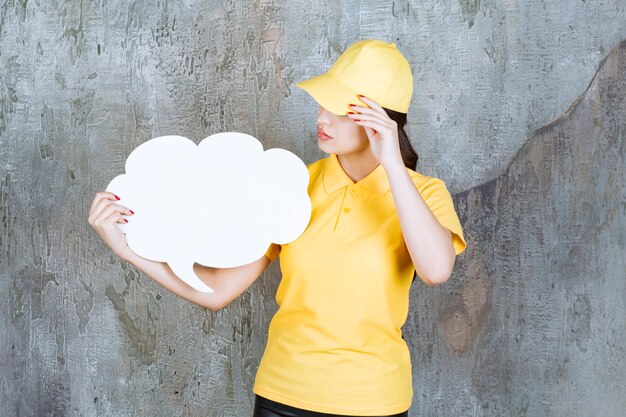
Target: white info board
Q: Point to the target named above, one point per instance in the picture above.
(220, 203)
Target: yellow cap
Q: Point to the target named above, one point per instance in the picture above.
(371, 67)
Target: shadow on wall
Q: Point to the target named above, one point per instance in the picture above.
(541, 308)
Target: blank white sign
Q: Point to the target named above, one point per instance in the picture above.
(220, 203)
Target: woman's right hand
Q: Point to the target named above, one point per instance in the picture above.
(103, 216)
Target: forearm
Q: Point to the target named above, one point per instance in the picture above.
(163, 274)
(428, 243)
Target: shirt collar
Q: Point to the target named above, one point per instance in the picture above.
(335, 177)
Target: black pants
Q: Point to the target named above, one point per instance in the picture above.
(264, 407)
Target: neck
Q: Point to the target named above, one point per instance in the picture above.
(357, 165)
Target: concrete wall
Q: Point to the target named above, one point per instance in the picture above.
(518, 106)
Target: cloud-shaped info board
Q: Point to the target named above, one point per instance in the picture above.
(220, 203)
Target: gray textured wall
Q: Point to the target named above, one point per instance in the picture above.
(518, 106)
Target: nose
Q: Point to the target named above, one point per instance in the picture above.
(323, 115)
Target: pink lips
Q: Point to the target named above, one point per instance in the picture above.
(322, 135)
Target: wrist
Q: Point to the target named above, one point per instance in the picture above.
(394, 165)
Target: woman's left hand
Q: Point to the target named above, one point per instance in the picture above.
(381, 130)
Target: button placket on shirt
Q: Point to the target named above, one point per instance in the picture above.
(351, 194)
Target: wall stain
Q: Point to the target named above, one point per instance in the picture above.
(8, 91)
(140, 330)
(462, 322)
(5, 213)
(579, 321)
(469, 9)
(18, 305)
(83, 303)
(48, 129)
(271, 39)
(74, 34)
(81, 108)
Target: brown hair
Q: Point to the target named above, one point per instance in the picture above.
(409, 156)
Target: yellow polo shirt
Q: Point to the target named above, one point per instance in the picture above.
(335, 344)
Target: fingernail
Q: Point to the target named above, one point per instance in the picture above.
(350, 112)
(116, 197)
(126, 220)
(131, 211)
(357, 120)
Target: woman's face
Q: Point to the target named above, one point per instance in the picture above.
(345, 136)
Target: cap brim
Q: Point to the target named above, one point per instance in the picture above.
(331, 94)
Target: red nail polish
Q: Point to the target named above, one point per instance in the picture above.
(350, 112)
(131, 211)
(116, 197)
(126, 220)
(357, 120)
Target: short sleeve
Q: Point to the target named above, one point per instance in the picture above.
(440, 202)
(273, 251)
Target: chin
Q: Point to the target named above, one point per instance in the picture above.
(322, 145)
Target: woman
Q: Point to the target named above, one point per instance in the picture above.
(335, 345)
